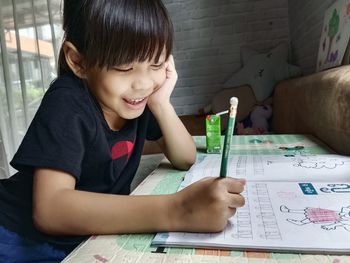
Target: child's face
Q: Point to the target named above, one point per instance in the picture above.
(123, 91)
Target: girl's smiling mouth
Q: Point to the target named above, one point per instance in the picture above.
(140, 102)
(134, 101)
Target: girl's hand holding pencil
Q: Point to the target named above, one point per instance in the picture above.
(206, 205)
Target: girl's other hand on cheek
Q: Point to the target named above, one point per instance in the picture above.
(163, 93)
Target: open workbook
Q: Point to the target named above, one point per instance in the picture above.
(294, 203)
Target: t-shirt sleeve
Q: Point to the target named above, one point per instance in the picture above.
(58, 135)
(153, 130)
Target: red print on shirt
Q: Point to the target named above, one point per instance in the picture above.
(122, 148)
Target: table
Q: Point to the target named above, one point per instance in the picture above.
(136, 247)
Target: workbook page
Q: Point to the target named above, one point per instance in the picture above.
(325, 167)
(279, 216)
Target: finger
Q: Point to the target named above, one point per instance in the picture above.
(231, 212)
(171, 60)
(241, 180)
(236, 200)
(234, 186)
(234, 179)
(171, 64)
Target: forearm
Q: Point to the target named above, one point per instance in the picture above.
(179, 146)
(203, 206)
(72, 212)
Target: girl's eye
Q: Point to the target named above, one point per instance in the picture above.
(123, 69)
(158, 66)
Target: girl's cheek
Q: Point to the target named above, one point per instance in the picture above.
(160, 78)
(162, 81)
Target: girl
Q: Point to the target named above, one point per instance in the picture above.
(83, 147)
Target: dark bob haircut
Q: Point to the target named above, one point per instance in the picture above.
(111, 33)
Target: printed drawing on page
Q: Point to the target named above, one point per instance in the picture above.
(328, 219)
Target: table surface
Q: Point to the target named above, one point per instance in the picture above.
(136, 247)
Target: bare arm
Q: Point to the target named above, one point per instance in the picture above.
(177, 144)
(60, 209)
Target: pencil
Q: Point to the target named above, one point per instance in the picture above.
(228, 136)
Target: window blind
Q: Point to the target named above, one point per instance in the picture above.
(30, 35)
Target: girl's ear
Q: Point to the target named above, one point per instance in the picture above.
(74, 59)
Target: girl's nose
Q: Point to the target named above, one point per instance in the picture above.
(143, 83)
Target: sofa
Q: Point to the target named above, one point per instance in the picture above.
(316, 104)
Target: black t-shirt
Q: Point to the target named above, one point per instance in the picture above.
(69, 133)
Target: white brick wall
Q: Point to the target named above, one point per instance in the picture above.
(306, 21)
(208, 37)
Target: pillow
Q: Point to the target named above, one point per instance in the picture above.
(246, 98)
(263, 71)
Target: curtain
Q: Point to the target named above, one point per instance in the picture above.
(30, 35)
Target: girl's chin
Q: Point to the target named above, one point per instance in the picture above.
(132, 114)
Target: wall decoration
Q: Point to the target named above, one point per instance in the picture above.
(335, 35)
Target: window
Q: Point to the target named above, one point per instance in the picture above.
(30, 34)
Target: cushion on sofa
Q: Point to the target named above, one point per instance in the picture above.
(246, 101)
(263, 70)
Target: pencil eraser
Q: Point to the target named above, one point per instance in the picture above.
(234, 101)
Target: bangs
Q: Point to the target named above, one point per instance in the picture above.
(122, 32)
